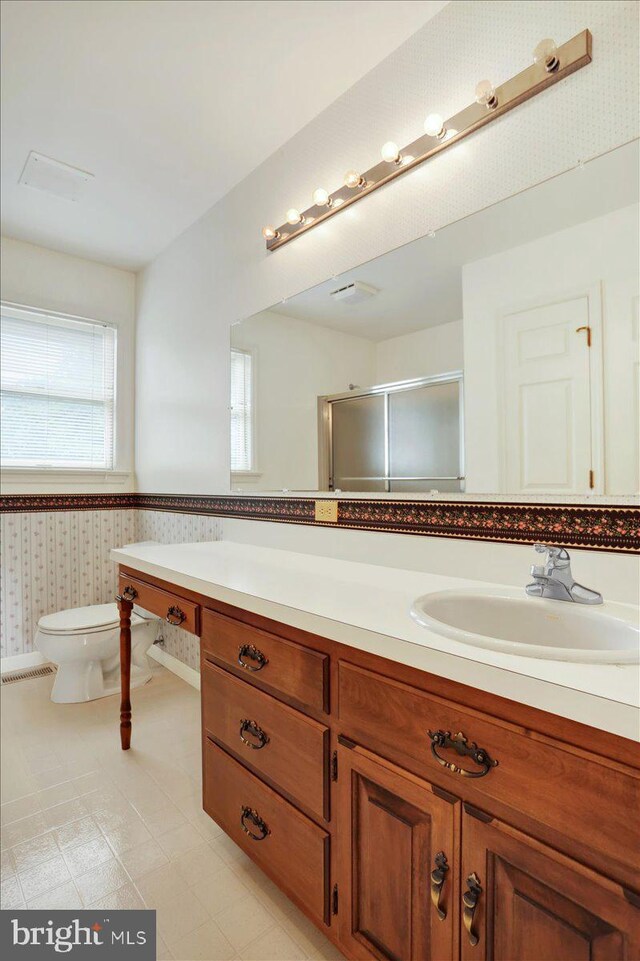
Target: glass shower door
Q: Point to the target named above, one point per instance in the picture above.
(425, 438)
(358, 440)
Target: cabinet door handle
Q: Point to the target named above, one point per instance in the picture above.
(438, 877)
(248, 650)
(249, 815)
(250, 727)
(459, 743)
(175, 616)
(128, 594)
(470, 900)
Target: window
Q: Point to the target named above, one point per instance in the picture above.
(241, 411)
(58, 391)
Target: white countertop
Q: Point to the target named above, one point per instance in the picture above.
(367, 607)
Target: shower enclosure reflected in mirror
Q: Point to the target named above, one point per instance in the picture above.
(498, 356)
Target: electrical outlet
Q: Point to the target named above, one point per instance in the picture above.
(327, 511)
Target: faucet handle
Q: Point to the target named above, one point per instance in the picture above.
(557, 557)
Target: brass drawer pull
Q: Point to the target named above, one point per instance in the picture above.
(250, 727)
(464, 748)
(438, 877)
(175, 616)
(470, 900)
(248, 814)
(129, 594)
(248, 650)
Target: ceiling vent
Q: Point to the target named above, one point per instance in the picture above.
(54, 177)
(353, 293)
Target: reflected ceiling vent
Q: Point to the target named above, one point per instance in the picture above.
(354, 293)
(54, 177)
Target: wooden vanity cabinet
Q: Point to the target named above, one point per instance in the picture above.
(410, 817)
(427, 876)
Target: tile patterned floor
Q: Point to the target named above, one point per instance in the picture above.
(85, 824)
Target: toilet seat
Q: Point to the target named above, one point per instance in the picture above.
(84, 620)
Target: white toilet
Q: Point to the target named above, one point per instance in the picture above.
(85, 644)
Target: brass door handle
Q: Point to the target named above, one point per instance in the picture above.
(248, 814)
(459, 743)
(588, 330)
(438, 877)
(250, 727)
(470, 900)
(128, 594)
(175, 616)
(248, 650)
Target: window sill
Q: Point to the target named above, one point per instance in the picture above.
(19, 480)
(248, 474)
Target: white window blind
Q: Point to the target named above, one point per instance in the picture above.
(241, 410)
(58, 391)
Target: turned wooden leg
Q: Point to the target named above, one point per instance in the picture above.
(125, 608)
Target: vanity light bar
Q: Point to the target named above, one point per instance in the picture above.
(551, 64)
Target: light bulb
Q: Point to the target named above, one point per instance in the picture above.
(270, 233)
(390, 152)
(321, 198)
(434, 126)
(546, 53)
(294, 216)
(353, 179)
(486, 94)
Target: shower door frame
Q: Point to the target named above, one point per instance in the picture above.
(325, 426)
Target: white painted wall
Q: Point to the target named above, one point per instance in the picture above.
(436, 350)
(601, 253)
(295, 362)
(38, 277)
(616, 576)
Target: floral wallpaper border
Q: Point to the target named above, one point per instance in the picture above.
(603, 527)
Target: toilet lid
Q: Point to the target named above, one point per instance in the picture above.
(79, 620)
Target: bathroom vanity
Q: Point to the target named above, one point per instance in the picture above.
(387, 782)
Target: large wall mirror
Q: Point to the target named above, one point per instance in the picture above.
(498, 356)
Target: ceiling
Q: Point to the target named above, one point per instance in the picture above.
(169, 104)
(420, 284)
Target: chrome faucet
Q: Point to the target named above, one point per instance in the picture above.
(554, 579)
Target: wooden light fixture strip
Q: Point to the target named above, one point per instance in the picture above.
(572, 55)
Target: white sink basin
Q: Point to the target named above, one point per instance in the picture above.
(508, 620)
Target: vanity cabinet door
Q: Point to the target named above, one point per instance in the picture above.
(524, 901)
(398, 870)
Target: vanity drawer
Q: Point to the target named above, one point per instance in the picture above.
(168, 606)
(272, 738)
(282, 841)
(559, 786)
(267, 661)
